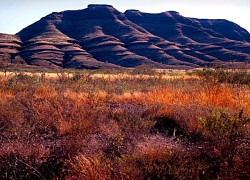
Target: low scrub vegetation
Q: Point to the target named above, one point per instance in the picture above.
(83, 126)
(219, 75)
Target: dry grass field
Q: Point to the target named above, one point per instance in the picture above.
(136, 125)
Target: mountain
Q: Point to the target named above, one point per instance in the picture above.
(102, 37)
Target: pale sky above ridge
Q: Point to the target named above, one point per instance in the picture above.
(17, 14)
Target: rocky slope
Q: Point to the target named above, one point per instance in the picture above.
(102, 37)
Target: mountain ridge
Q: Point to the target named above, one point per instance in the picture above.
(102, 37)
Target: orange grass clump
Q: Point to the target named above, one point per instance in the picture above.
(215, 96)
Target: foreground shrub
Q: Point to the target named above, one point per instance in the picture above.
(221, 124)
(82, 167)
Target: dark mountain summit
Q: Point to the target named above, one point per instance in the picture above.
(102, 37)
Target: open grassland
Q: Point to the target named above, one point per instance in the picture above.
(137, 125)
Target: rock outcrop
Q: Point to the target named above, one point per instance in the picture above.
(102, 37)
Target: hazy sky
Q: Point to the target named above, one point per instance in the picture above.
(17, 14)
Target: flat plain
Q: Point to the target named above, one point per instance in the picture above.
(128, 124)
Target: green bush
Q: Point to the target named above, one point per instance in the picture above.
(221, 124)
